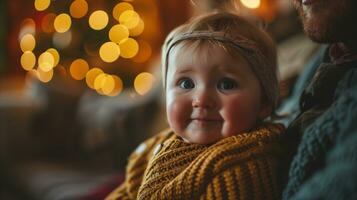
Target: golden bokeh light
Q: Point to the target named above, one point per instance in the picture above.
(98, 20)
(129, 18)
(144, 53)
(62, 40)
(55, 55)
(118, 86)
(46, 61)
(28, 60)
(105, 83)
(41, 5)
(128, 47)
(118, 32)
(44, 76)
(137, 30)
(143, 83)
(120, 8)
(79, 69)
(109, 52)
(47, 23)
(62, 23)
(252, 4)
(99, 81)
(92, 75)
(28, 26)
(27, 43)
(78, 8)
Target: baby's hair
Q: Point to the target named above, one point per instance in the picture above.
(235, 35)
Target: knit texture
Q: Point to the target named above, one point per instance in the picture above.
(325, 164)
(239, 167)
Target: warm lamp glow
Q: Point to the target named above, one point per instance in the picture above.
(92, 75)
(252, 4)
(118, 32)
(78, 8)
(62, 23)
(143, 83)
(129, 19)
(79, 69)
(120, 8)
(109, 52)
(28, 60)
(129, 48)
(27, 43)
(41, 5)
(98, 20)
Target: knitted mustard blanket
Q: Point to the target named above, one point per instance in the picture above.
(238, 167)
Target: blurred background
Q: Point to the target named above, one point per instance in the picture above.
(80, 85)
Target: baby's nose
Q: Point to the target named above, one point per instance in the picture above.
(203, 99)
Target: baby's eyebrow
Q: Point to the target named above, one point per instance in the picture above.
(183, 71)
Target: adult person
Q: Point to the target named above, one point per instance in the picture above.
(324, 165)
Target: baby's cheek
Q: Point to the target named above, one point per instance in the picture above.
(238, 117)
(176, 115)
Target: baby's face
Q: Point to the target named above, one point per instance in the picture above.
(210, 95)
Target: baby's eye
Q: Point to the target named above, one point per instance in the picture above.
(227, 84)
(186, 83)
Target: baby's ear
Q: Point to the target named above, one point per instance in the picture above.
(265, 110)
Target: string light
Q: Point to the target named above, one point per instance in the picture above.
(129, 48)
(98, 20)
(120, 44)
(252, 4)
(143, 83)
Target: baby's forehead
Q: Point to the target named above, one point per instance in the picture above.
(204, 50)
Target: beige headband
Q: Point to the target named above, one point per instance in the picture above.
(266, 74)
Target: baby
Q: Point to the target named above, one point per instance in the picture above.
(220, 80)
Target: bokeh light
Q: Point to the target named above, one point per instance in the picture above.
(44, 76)
(144, 53)
(252, 4)
(27, 43)
(62, 23)
(41, 5)
(47, 23)
(92, 75)
(79, 69)
(137, 30)
(78, 8)
(143, 83)
(120, 8)
(28, 60)
(118, 86)
(98, 20)
(109, 52)
(55, 55)
(128, 47)
(104, 83)
(118, 32)
(129, 18)
(46, 61)
(28, 26)
(62, 40)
